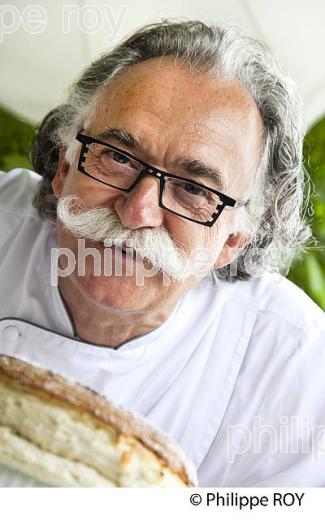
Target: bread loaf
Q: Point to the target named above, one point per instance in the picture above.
(60, 433)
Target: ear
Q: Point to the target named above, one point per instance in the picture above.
(231, 248)
(61, 174)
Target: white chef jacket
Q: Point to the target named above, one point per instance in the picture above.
(227, 357)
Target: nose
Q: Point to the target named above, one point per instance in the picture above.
(140, 207)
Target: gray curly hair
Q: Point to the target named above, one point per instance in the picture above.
(275, 216)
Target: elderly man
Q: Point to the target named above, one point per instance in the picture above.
(173, 169)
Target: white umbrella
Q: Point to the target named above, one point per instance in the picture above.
(43, 47)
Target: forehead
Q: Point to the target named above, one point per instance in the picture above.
(163, 85)
(170, 107)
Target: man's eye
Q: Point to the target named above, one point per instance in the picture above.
(118, 157)
(194, 190)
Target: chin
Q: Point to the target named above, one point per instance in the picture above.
(115, 292)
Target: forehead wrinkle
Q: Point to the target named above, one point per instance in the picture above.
(149, 137)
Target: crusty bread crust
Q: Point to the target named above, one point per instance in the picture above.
(48, 385)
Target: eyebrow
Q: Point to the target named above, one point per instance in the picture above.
(121, 136)
(196, 167)
(192, 166)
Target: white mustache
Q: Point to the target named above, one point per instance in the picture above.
(104, 225)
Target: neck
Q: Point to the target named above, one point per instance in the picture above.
(107, 326)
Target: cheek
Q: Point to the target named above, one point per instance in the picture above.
(188, 239)
(91, 192)
(191, 236)
(214, 239)
(70, 184)
(66, 241)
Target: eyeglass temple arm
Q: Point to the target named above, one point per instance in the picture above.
(241, 203)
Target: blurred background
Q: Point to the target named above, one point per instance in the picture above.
(45, 45)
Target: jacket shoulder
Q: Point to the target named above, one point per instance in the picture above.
(279, 300)
(17, 189)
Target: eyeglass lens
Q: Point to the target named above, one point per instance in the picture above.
(120, 171)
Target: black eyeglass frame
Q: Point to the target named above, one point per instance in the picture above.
(147, 169)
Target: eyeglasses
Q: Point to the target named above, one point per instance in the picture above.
(120, 170)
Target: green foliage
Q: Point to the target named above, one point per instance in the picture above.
(309, 271)
(15, 140)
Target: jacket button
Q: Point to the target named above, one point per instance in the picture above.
(10, 333)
